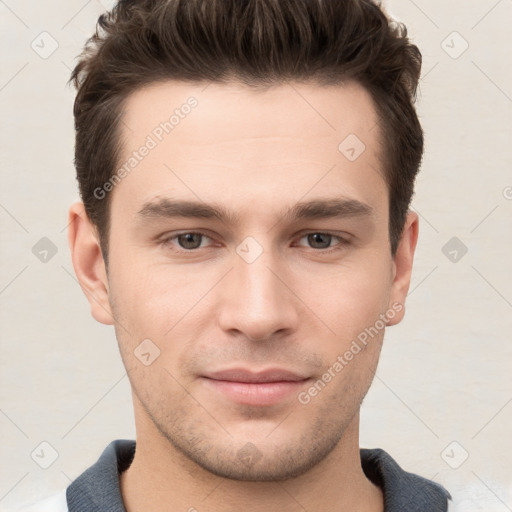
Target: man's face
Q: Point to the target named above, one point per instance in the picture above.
(252, 310)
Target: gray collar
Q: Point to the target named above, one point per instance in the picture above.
(97, 489)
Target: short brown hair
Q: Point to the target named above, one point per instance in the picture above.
(257, 42)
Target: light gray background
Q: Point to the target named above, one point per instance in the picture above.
(445, 372)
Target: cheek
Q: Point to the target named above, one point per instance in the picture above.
(150, 299)
(351, 298)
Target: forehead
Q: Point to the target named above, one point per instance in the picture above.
(247, 147)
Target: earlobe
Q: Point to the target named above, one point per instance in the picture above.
(402, 264)
(88, 263)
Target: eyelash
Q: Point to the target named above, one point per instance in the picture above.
(341, 244)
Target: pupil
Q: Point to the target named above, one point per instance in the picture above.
(318, 236)
(189, 240)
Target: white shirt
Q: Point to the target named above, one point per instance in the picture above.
(54, 503)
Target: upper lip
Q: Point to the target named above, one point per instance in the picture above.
(243, 375)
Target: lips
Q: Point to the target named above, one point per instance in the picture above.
(261, 388)
(242, 375)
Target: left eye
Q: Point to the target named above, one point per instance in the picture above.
(189, 241)
(319, 240)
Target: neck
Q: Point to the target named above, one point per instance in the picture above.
(161, 478)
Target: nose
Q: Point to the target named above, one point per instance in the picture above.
(257, 300)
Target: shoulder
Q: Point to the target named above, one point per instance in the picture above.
(403, 490)
(97, 489)
(55, 503)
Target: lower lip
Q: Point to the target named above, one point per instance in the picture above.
(256, 393)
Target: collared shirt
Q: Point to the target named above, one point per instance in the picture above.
(97, 489)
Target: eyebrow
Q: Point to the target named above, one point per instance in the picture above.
(314, 209)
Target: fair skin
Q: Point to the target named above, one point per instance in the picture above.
(206, 441)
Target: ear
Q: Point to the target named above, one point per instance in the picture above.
(88, 263)
(402, 267)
